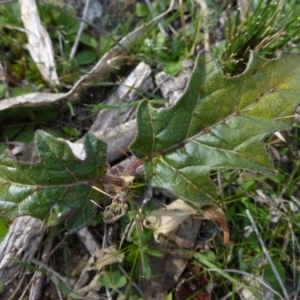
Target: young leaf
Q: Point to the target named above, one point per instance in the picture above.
(218, 123)
(58, 186)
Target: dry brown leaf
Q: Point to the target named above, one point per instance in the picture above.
(165, 220)
(166, 270)
(39, 42)
(97, 262)
(177, 248)
(214, 212)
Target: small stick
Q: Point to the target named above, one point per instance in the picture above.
(75, 45)
(204, 14)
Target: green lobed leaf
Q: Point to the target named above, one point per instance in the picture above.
(105, 280)
(118, 279)
(57, 187)
(86, 57)
(219, 122)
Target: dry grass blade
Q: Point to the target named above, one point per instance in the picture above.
(39, 42)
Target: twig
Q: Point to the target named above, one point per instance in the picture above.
(104, 241)
(219, 178)
(104, 245)
(51, 272)
(18, 287)
(61, 47)
(88, 240)
(262, 244)
(4, 78)
(182, 21)
(75, 45)
(37, 278)
(128, 229)
(204, 14)
(108, 293)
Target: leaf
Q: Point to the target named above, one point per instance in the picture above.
(58, 186)
(114, 281)
(39, 43)
(213, 212)
(141, 10)
(165, 220)
(85, 57)
(89, 41)
(105, 280)
(118, 279)
(147, 266)
(218, 123)
(166, 270)
(93, 268)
